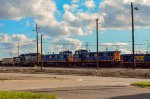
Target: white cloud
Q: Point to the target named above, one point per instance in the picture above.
(115, 44)
(66, 44)
(117, 14)
(123, 47)
(9, 43)
(89, 4)
(75, 1)
(74, 22)
(124, 51)
(70, 7)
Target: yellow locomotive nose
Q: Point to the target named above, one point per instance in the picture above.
(117, 56)
(70, 58)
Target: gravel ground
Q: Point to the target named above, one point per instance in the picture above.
(104, 72)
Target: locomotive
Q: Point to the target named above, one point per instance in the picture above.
(61, 59)
(105, 58)
(28, 59)
(141, 60)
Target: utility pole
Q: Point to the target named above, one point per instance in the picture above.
(41, 51)
(133, 54)
(97, 43)
(10, 54)
(87, 45)
(18, 54)
(106, 49)
(37, 56)
(133, 51)
(147, 48)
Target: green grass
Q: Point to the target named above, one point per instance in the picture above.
(142, 84)
(24, 95)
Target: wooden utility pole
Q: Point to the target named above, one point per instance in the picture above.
(41, 51)
(37, 56)
(97, 43)
(133, 54)
(18, 53)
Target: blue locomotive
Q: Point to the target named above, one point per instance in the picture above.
(105, 58)
(141, 60)
(63, 58)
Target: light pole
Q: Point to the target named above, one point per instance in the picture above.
(18, 54)
(132, 15)
(37, 44)
(97, 43)
(41, 52)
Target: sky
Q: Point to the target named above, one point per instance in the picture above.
(70, 25)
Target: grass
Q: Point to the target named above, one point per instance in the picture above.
(24, 95)
(142, 84)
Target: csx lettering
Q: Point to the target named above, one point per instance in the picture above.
(139, 58)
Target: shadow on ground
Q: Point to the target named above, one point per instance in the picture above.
(137, 96)
(97, 92)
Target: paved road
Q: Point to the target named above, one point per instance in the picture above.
(99, 92)
(75, 87)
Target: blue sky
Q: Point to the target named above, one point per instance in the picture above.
(72, 22)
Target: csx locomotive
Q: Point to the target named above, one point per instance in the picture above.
(141, 60)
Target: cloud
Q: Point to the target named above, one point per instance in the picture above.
(117, 14)
(89, 4)
(9, 43)
(75, 1)
(66, 44)
(70, 7)
(115, 44)
(124, 51)
(74, 22)
(18, 9)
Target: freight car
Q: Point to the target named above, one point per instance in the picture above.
(7, 62)
(141, 60)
